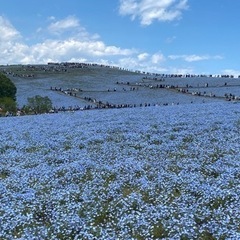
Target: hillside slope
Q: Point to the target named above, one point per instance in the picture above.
(72, 86)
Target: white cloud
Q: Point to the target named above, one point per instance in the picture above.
(233, 72)
(149, 10)
(64, 48)
(11, 47)
(144, 62)
(193, 57)
(157, 57)
(188, 58)
(68, 27)
(7, 31)
(142, 56)
(68, 23)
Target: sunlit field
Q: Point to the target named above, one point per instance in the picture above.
(163, 172)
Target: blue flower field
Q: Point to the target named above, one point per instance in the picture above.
(168, 172)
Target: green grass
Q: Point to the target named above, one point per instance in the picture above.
(4, 173)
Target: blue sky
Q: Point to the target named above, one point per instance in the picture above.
(160, 36)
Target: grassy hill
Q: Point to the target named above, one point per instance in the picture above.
(116, 86)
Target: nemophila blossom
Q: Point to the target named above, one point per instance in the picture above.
(157, 172)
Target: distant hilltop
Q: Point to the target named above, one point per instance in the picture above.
(81, 65)
(63, 66)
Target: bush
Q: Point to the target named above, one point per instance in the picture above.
(39, 104)
(7, 104)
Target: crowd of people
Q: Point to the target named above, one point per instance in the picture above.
(148, 80)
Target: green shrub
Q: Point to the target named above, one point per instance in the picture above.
(7, 104)
(39, 104)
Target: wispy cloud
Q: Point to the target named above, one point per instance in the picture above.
(142, 56)
(157, 58)
(68, 27)
(193, 57)
(68, 23)
(233, 72)
(7, 31)
(149, 10)
(170, 39)
(11, 47)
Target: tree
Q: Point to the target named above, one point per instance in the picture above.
(40, 104)
(7, 87)
(7, 95)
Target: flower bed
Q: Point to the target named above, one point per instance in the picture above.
(145, 173)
